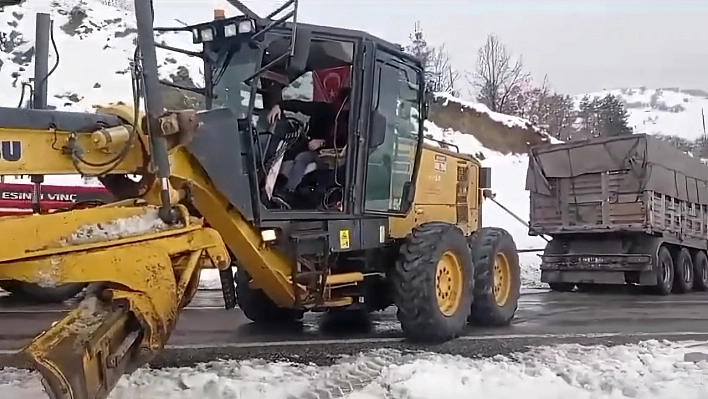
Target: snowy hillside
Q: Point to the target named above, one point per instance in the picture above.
(96, 43)
(669, 111)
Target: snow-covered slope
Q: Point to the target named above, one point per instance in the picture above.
(668, 111)
(95, 44)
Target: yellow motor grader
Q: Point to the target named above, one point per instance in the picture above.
(386, 220)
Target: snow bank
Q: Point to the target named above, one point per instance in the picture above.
(650, 370)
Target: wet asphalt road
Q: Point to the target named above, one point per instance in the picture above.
(206, 331)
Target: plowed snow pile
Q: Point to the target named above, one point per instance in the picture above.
(651, 370)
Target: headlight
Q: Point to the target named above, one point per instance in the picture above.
(245, 26)
(230, 30)
(207, 35)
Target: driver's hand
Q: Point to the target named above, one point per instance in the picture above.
(315, 144)
(274, 114)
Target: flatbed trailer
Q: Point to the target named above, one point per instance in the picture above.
(622, 210)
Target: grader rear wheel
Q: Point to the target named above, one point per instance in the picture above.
(497, 282)
(432, 283)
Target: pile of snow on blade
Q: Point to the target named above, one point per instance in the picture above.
(650, 370)
(136, 225)
(501, 142)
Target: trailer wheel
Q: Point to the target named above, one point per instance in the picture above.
(432, 283)
(497, 277)
(8, 285)
(683, 272)
(36, 293)
(561, 287)
(700, 271)
(664, 269)
(256, 305)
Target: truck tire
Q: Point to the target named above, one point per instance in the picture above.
(683, 272)
(664, 269)
(432, 283)
(497, 277)
(37, 293)
(700, 271)
(256, 305)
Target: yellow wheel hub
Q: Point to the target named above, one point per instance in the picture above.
(449, 283)
(502, 279)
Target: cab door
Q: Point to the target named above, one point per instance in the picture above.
(395, 135)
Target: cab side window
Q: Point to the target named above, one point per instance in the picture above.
(397, 106)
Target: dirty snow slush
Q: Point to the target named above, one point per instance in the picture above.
(648, 370)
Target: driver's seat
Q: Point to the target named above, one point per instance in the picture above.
(331, 157)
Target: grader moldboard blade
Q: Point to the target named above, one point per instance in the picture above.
(139, 282)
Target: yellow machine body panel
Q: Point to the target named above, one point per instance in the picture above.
(48, 152)
(447, 190)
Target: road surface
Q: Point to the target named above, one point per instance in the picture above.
(206, 331)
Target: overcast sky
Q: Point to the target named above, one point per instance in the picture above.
(583, 45)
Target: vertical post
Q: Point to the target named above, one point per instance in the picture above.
(154, 104)
(39, 99)
(41, 60)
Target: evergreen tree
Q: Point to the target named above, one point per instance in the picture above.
(613, 117)
(603, 117)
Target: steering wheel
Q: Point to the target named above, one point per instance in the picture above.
(297, 129)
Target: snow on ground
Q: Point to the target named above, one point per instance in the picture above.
(668, 111)
(649, 370)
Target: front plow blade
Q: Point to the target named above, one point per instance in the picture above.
(84, 355)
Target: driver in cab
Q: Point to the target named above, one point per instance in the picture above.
(328, 129)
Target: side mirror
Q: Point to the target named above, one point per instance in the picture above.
(408, 197)
(377, 133)
(297, 63)
(426, 108)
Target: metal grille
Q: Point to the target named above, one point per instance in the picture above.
(461, 206)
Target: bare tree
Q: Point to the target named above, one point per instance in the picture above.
(440, 76)
(498, 76)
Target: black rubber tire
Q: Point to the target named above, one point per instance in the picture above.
(36, 293)
(664, 269)
(414, 283)
(683, 272)
(256, 305)
(700, 271)
(562, 287)
(485, 244)
(8, 285)
(588, 288)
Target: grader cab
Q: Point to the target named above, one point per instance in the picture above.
(384, 220)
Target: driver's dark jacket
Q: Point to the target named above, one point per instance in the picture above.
(322, 117)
